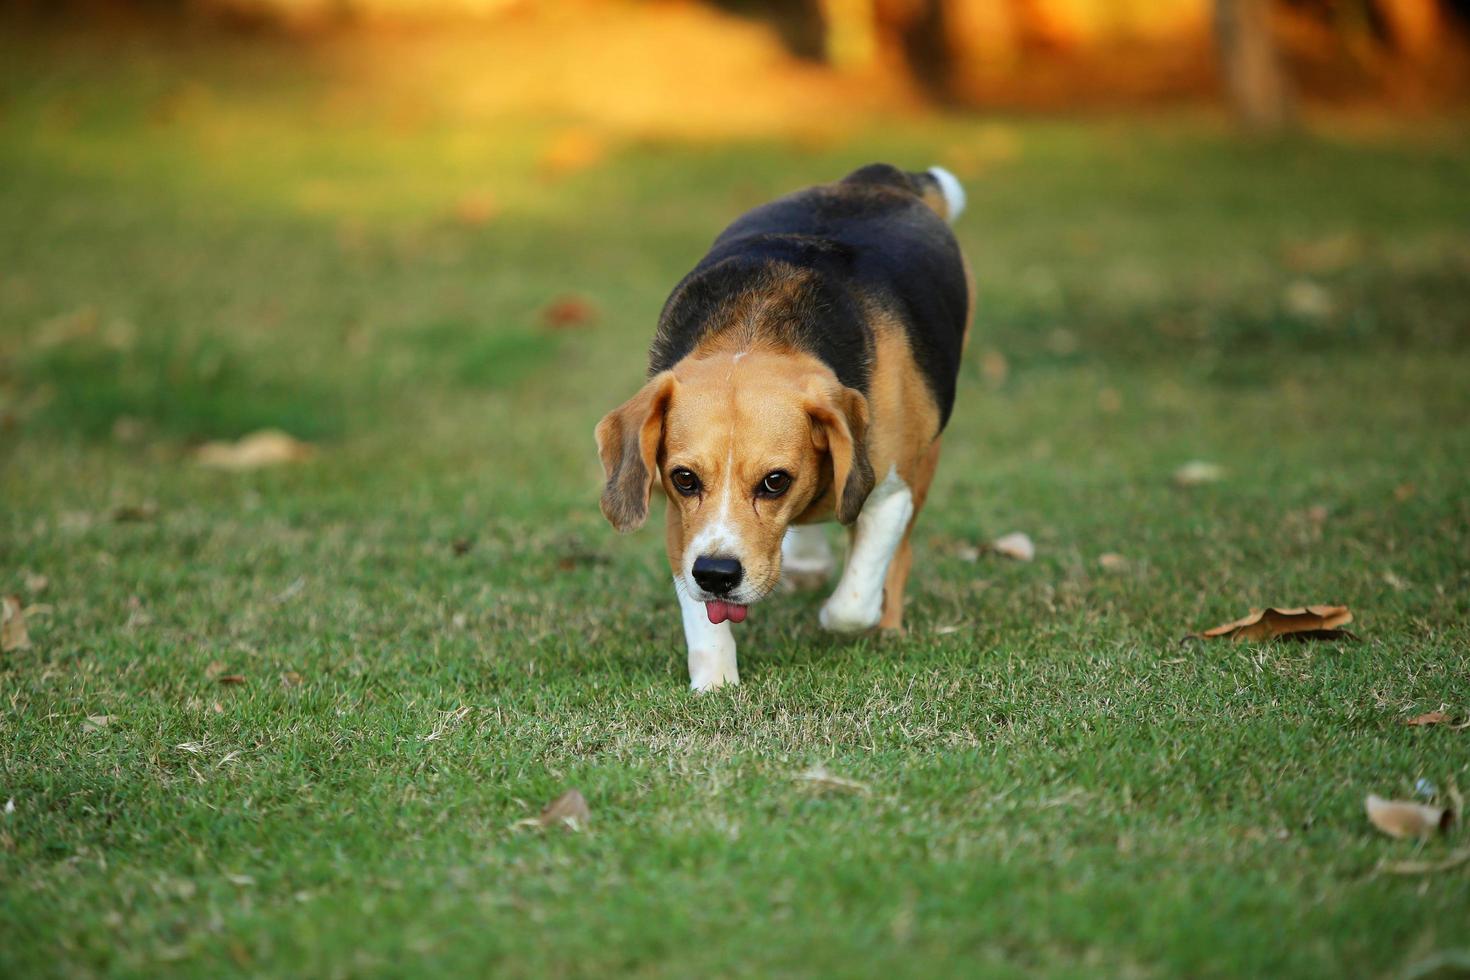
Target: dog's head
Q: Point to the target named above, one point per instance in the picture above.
(741, 444)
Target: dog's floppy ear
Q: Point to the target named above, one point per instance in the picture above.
(840, 427)
(627, 440)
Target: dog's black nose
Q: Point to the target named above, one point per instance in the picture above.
(717, 576)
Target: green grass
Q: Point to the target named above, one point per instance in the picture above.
(1058, 787)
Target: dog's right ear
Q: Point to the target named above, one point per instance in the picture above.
(628, 438)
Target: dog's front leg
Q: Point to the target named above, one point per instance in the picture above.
(711, 646)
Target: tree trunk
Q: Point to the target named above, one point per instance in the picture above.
(1254, 79)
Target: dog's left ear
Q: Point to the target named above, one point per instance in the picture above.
(628, 438)
(840, 427)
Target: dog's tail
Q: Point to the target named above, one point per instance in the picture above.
(941, 190)
(936, 186)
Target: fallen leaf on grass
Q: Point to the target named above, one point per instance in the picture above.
(291, 679)
(1198, 472)
(995, 368)
(568, 811)
(95, 723)
(231, 679)
(13, 635)
(134, 513)
(268, 447)
(1310, 623)
(1308, 300)
(1394, 582)
(461, 546)
(567, 312)
(820, 778)
(1111, 561)
(36, 583)
(1015, 545)
(1428, 718)
(126, 429)
(1399, 819)
(1454, 860)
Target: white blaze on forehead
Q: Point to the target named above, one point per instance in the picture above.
(719, 538)
(711, 646)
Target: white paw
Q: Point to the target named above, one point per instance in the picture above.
(843, 614)
(712, 681)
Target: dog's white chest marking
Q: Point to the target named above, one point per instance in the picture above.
(711, 647)
(858, 602)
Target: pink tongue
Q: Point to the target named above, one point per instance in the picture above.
(719, 611)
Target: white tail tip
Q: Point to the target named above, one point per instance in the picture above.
(954, 194)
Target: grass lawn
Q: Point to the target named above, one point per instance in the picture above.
(202, 242)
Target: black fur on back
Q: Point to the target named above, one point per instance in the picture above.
(806, 266)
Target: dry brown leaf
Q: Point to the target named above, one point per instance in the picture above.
(1015, 545)
(1428, 718)
(128, 430)
(13, 635)
(1312, 622)
(231, 679)
(268, 447)
(139, 513)
(36, 583)
(1454, 860)
(994, 368)
(95, 723)
(568, 312)
(1198, 472)
(291, 679)
(568, 811)
(1308, 300)
(1327, 254)
(819, 777)
(1111, 561)
(1397, 818)
(214, 669)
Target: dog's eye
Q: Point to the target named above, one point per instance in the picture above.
(684, 481)
(774, 484)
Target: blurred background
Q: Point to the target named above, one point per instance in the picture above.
(395, 227)
(308, 309)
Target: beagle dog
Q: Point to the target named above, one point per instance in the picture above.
(803, 372)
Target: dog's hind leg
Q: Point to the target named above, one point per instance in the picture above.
(806, 557)
(922, 475)
(881, 528)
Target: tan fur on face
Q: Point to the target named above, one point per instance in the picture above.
(734, 417)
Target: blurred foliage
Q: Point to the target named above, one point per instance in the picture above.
(1033, 53)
